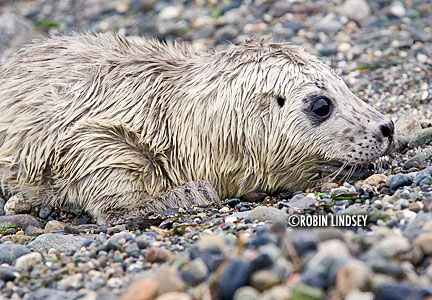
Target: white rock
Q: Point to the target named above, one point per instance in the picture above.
(9, 207)
(72, 281)
(170, 12)
(357, 10)
(397, 9)
(224, 209)
(28, 261)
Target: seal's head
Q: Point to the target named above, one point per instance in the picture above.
(298, 118)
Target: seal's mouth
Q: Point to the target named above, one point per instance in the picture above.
(344, 171)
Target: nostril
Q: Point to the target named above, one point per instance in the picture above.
(387, 130)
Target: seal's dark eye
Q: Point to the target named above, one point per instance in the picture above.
(280, 100)
(321, 108)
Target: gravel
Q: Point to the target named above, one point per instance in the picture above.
(246, 248)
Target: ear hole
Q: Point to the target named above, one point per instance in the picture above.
(280, 100)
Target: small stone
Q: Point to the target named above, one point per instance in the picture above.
(7, 274)
(226, 34)
(271, 214)
(169, 280)
(246, 293)
(424, 177)
(407, 124)
(211, 244)
(9, 207)
(60, 242)
(195, 272)
(157, 255)
(232, 202)
(17, 239)
(301, 202)
(357, 10)
(389, 247)
(425, 242)
(397, 9)
(224, 210)
(231, 219)
(399, 180)
(175, 296)
(253, 197)
(328, 186)
(329, 24)
(358, 295)
(415, 207)
(10, 252)
(9, 231)
(398, 291)
(45, 211)
(28, 261)
(353, 275)
(74, 281)
(328, 50)
(29, 223)
(278, 292)
(235, 275)
(334, 246)
(170, 12)
(53, 225)
(375, 179)
(303, 292)
(418, 160)
(132, 249)
(22, 207)
(419, 138)
(263, 280)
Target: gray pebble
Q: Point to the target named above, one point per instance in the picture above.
(271, 214)
(235, 275)
(302, 202)
(10, 252)
(195, 272)
(28, 261)
(7, 274)
(246, 293)
(45, 211)
(132, 249)
(399, 180)
(418, 138)
(60, 242)
(424, 177)
(28, 223)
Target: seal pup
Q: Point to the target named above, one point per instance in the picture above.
(121, 127)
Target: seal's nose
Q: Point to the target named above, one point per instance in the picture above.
(387, 130)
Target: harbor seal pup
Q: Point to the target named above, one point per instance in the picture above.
(116, 125)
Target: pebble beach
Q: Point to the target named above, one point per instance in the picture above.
(253, 247)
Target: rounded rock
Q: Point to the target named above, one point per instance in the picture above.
(246, 293)
(271, 214)
(399, 180)
(235, 275)
(10, 252)
(28, 261)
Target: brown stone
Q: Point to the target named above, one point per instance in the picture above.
(169, 280)
(353, 275)
(53, 225)
(425, 242)
(144, 289)
(157, 255)
(328, 186)
(174, 296)
(375, 178)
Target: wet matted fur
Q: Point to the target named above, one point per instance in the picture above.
(111, 123)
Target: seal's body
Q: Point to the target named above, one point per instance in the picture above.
(110, 124)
